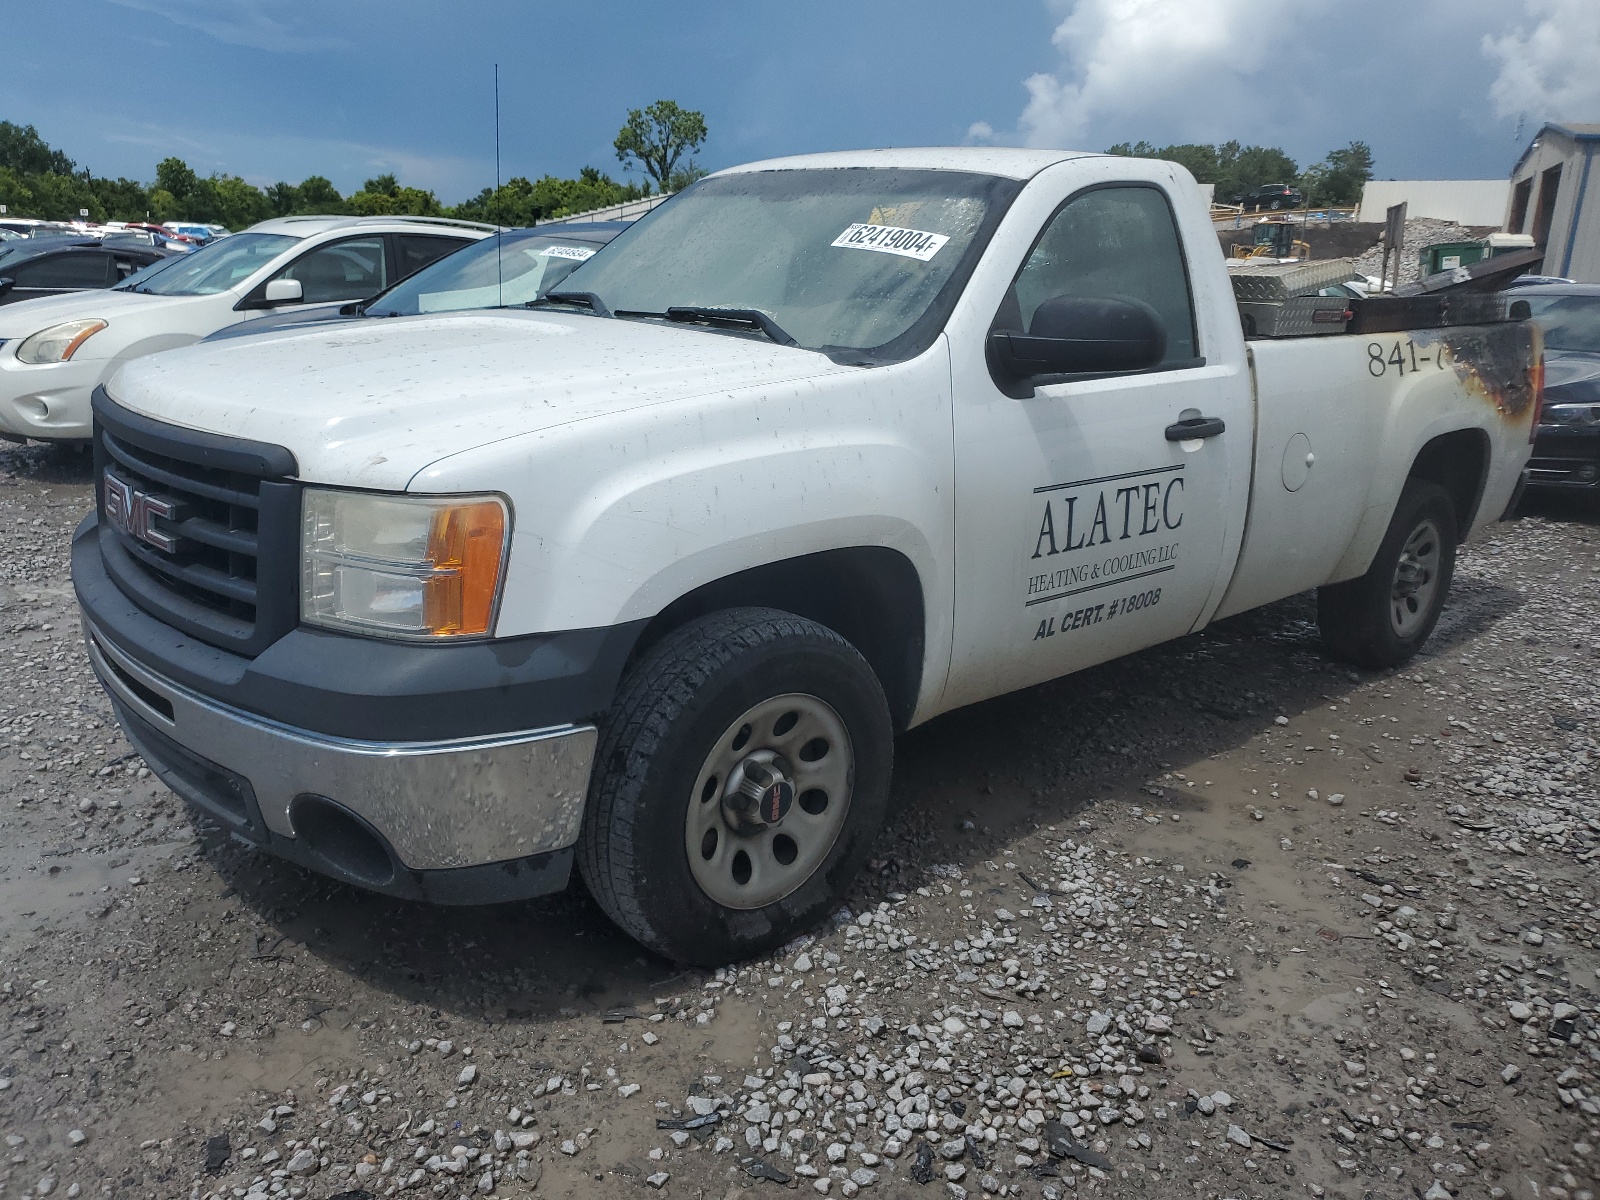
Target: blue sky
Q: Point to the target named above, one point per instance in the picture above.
(281, 89)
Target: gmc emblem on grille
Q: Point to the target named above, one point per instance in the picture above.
(134, 513)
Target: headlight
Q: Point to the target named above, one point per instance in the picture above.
(402, 566)
(1581, 415)
(58, 343)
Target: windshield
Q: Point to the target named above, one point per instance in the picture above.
(1568, 322)
(211, 269)
(524, 269)
(862, 263)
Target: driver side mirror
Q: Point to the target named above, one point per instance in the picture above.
(283, 291)
(1077, 335)
(6, 284)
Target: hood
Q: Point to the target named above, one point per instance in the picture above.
(27, 317)
(370, 403)
(1566, 368)
(296, 317)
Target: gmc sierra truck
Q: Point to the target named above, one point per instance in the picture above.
(646, 574)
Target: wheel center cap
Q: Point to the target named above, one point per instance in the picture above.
(1408, 579)
(763, 797)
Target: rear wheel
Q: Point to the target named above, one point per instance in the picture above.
(1383, 618)
(739, 781)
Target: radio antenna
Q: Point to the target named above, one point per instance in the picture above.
(499, 271)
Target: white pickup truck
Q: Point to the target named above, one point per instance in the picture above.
(647, 575)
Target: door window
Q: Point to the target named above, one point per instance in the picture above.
(418, 250)
(1117, 241)
(65, 271)
(352, 270)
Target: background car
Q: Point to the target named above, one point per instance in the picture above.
(34, 267)
(195, 231)
(1272, 196)
(56, 350)
(1566, 443)
(520, 266)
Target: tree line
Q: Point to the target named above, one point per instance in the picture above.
(37, 180)
(1236, 169)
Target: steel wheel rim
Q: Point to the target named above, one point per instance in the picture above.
(1416, 579)
(782, 736)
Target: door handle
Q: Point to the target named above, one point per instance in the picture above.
(1196, 427)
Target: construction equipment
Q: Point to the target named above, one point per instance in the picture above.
(1274, 238)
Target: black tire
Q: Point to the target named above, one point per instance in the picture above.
(673, 707)
(1358, 617)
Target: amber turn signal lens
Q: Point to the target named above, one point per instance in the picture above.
(464, 549)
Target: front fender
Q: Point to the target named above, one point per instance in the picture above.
(617, 516)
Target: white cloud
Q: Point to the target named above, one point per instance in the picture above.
(1133, 56)
(1549, 72)
(980, 131)
(237, 22)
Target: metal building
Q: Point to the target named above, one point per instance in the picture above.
(1554, 199)
(1464, 201)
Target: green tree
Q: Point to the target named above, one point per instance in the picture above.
(384, 196)
(123, 199)
(15, 194)
(318, 195)
(26, 153)
(1243, 168)
(520, 201)
(239, 204)
(283, 197)
(176, 177)
(1231, 168)
(658, 137)
(1338, 178)
(163, 205)
(60, 197)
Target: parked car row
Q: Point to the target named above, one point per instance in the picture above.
(58, 349)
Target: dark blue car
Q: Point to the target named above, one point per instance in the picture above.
(48, 266)
(515, 267)
(1566, 445)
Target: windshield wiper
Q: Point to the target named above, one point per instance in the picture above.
(746, 318)
(583, 299)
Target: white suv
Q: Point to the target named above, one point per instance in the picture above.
(54, 351)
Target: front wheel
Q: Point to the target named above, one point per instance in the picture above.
(739, 781)
(1382, 618)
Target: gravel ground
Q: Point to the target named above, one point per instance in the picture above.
(1223, 919)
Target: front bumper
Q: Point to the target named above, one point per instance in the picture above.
(49, 401)
(1565, 457)
(469, 820)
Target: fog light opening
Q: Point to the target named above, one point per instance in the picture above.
(34, 407)
(342, 840)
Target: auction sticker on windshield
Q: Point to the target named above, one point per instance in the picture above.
(576, 252)
(891, 239)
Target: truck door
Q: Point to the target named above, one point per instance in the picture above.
(1087, 525)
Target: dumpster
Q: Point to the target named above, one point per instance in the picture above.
(1447, 256)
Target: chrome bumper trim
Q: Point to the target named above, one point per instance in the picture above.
(447, 804)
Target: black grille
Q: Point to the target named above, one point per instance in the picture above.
(211, 546)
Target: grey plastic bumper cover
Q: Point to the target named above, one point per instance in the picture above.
(445, 805)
